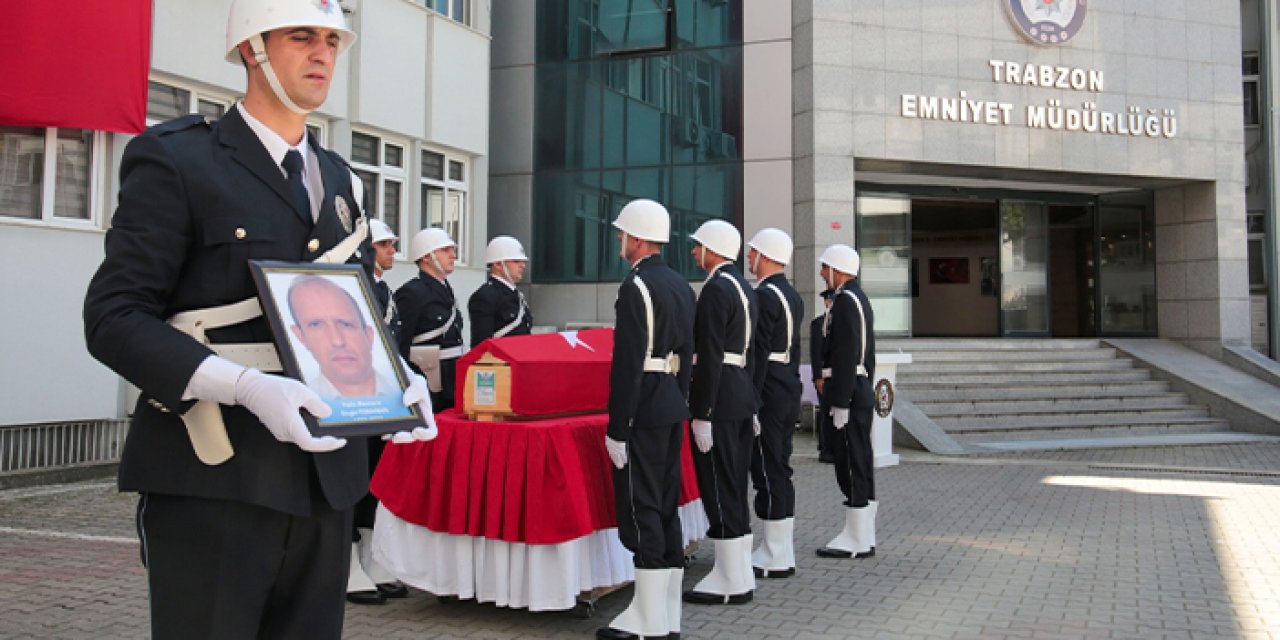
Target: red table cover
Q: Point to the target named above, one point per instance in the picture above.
(536, 482)
(566, 372)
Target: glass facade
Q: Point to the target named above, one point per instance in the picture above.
(635, 99)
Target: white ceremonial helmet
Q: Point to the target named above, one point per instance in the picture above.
(249, 19)
(720, 237)
(502, 248)
(428, 240)
(773, 244)
(646, 220)
(842, 258)
(379, 231)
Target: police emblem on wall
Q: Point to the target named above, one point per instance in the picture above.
(884, 398)
(1047, 22)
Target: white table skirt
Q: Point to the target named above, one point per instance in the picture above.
(539, 577)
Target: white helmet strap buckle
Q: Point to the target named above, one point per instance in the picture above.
(260, 55)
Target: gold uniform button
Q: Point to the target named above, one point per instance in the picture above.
(241, 233)
(313, 246)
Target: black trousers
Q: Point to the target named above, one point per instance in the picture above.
(855, 459)
(367, 508)
(820, 422)
(722, 478)
(444, 399)
(771, 471)
(646, 495)
(221, 569)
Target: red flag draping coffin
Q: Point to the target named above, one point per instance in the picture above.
(79, 65)
(551, 373)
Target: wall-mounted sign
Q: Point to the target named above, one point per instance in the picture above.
(1047, 22)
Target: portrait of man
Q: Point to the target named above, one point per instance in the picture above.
(330, 326)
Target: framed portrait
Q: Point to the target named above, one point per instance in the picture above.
(325, 325)
(948, 271)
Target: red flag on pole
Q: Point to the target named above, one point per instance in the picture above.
(79, 64)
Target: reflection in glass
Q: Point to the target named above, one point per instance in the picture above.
(884, 241)
(71, 188)
(1126, 270)
(22, 150)
(1024, 299)
(391, 204)
(166, 103)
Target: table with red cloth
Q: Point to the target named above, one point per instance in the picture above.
(520, 514)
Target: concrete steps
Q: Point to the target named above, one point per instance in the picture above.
(1028, 394)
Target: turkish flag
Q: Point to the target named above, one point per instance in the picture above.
(566, 372)
(76, 63)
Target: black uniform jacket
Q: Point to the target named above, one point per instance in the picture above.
(198, 200)
(425, 304)
(720, 391)
(382, 292)
(493, 306)
(638, 399)
(841, 348)
(815, 345)
(777, 384)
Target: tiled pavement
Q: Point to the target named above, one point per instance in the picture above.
(1155, 543)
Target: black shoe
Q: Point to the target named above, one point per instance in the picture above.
(701, 597)
(827, 458)
(609, 633)
(393, 590)
(366, 597)
(828, 552)
(774, 573)
(865, 554)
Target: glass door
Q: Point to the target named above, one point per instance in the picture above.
(1126, 269)
(884, 244)
(1024, 252)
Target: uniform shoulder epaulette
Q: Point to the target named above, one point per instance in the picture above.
(183, 123)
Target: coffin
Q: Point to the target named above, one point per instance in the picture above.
(536, 376)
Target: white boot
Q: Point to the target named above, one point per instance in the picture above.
(776, 557)
(647, 614)
(730, 580)
(373, 568)
(360, 587)
(849, 540)
(869, 530)
(675, 587)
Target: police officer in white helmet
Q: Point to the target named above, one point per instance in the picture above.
(244, 515)
(722, 399)
(498, 308)
(776, 374)
(648, 384)
(848, 367)
(431, 325)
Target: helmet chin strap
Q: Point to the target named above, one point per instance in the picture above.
(260, 55)
(755, 265)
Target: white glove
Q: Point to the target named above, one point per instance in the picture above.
(417, 393)
(617, 451)
(276, 401)
(702, 435)
(839, 417)
(755, 425)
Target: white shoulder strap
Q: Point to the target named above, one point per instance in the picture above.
(786, 309)
(511, 326)
(862, 317)
(746, 312)
(648, 313)
(438, 331)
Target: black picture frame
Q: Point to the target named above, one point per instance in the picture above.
(342, 343)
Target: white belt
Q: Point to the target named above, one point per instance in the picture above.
(780, 357)
(862, 371)
(451, 353)
(668, 365)
(736, 359)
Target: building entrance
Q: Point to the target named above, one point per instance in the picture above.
(1003, 264)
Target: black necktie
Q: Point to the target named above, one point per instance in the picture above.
(292, 164)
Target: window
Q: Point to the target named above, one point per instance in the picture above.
(47, 174)
(456, 10)
(380, 165)
(1257, 228)
(444, 200)
(1249, 71)
(166, 102)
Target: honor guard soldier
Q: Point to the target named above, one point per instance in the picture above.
(244, 515)
(648, 389)
(815, 365)
(722, 399)
(498, 308)
(848, 366)
(431, 327)
(367, 581)
(776, 373)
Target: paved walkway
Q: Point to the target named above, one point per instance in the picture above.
(1177, 542)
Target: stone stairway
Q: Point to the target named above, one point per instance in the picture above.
(1040, 394)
